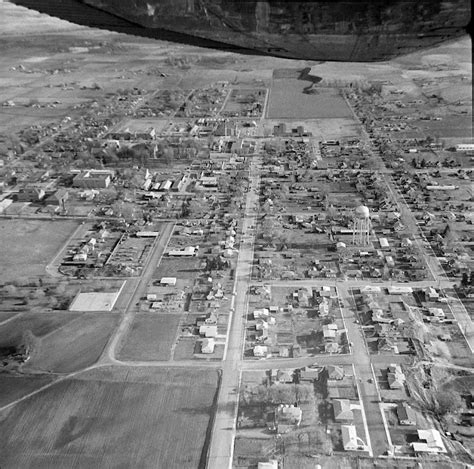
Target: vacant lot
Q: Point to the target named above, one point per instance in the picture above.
(128, 417)
(150, 337)
(75, 346)
(289, 100)
(183, 268)
(28, 245)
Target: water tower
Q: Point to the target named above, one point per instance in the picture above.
(361, 226)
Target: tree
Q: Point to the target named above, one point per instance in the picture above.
(465, 280)
(447, 402)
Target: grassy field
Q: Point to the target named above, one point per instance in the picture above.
(41, 324)
(150, 337)
(75, 346)
(127, 417)
(15, 387)
(287, 100)
(176, 267)
(28, 245)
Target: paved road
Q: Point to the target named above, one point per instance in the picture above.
(223, 434)
(134, 290)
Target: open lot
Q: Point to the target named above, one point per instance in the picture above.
(28, 245)
(128, 417)
(75, 346)
(150, 337)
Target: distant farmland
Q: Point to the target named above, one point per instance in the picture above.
(287, 101)
(120, 418)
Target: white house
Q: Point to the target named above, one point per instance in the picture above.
(350, 440)
(430, 442)
(260, 351)
(208, 345)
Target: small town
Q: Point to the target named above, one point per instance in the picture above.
(229, 266)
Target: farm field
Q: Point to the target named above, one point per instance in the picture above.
(150, 337)
(127, 417)
(15, 387)
(40, 325)
(28, 245)
(288, 100)
(75, 346)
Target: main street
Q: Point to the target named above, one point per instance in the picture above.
(223, 433)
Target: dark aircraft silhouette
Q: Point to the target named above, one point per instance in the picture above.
(339, 30)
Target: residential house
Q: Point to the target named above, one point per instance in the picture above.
(406, 415)
(335, 372)
(285, 376)
(287, 417)
(323, 308)
(395, 377)
(437, 313)
(309, 374)
(208, 345)
(188, 251)
(430, 441)
(261, 313)
(260, 351)
(211, 318)
(331, 347)
(58, 198)
(207, 330)
(431, 294)
(386, 344)
(4, 204)
(350, 440)
(329, 332)
(342, 410)
(31, 194)
(272, 464)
